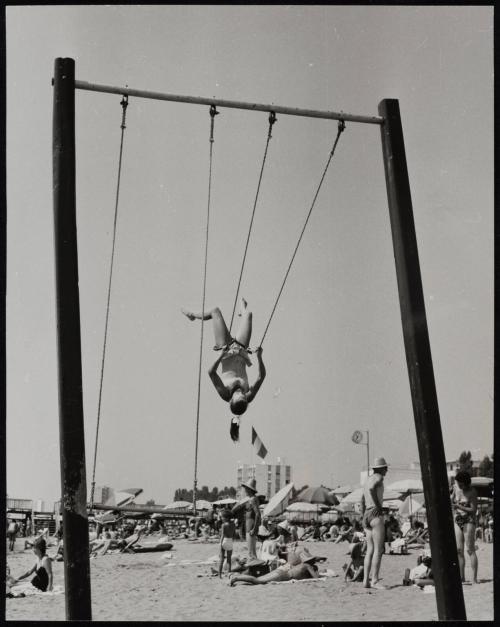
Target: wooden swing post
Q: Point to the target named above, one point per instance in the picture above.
(71, 433)
(449, 593)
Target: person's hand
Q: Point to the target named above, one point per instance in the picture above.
(251, 532)
(258, 351)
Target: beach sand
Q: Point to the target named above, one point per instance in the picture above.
(160, 586)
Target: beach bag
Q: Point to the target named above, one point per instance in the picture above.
(256, 568)
(398, 547)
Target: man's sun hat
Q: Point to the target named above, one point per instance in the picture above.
(380, 463)
(306, 557)
(251, 485)
(284, 524)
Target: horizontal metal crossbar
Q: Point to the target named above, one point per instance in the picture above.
(232, 104)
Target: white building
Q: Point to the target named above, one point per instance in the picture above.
(270, 478)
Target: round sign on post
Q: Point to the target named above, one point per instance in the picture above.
(357, 437)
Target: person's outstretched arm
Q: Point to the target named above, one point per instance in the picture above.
(217, 381)
(260, 376)
(27, 573)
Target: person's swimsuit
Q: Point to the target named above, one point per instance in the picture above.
(371, 511)
(227, 544)
(233, 364)
(463, 518)
(41, 579)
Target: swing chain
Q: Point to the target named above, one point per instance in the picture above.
(124, 104)
(213, 113)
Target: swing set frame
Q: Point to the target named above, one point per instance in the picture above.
(449, 593)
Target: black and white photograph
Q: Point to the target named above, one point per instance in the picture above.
(249, 312)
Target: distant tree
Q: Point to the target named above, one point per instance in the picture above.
(207, 494)
(486, 467)
(465, 461)
(150, 502)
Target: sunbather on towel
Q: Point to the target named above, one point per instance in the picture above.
(299, 566)
(293, 569)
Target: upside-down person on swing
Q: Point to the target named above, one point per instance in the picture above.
(232, 384)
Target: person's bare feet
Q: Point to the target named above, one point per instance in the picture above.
(243, 306)
(188, 314)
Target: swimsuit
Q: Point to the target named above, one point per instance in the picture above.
(233, 364)
(372, 511)
(369, 515)
(463, 519)
(227, 544)
(41, 579)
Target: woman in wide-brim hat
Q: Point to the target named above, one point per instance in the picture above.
(252, 515)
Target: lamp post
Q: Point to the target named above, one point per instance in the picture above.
(358, 438)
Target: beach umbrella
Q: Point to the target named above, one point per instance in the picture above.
(122, 497)
(201, 504)
(411, 505)
(330, 516)
(355, 497)
(345, 489)
(392, 503)
(226, 501)
(278, 502)
(483, 486)
(344, 507)
(319, 495)
(407, 486)
(178, 505)
(302, 507)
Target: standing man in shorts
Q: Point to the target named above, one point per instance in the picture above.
(12, 530)
(374, 523)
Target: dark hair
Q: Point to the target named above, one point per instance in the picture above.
(41, 545)
(234, 430)
(238, 406)
(463, 476)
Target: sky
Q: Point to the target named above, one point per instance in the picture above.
(334, 350)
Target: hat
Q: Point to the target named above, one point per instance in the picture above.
(251, 485)
(379, 463)
(263, 531)
(306, 557)
(284, 524)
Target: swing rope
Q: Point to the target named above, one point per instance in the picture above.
(213, 113)
(124, 104)
(341, 127)
(272, 120)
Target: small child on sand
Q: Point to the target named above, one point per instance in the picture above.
(227, 532)
(354, 570)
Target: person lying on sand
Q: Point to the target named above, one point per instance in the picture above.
(124, 545)
(299, 566)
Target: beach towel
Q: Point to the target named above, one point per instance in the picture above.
(326, 575)
(26, 589)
